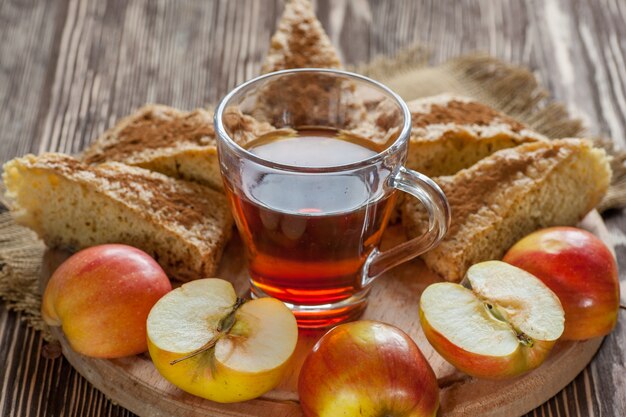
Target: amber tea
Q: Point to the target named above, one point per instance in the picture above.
(308, 235)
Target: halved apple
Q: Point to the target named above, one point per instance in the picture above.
(206, 341)
(500, 322)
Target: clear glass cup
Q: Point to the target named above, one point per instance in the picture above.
(311, 227)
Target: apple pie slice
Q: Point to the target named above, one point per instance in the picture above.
(300, 41)
(509, 194)
(176, 143)
(183, 225)
(306, 99)
(450, 133)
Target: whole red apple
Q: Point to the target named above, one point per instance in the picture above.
(366, 368)
(581, 271)
(101, 296)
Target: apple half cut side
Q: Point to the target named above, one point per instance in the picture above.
(206, 341)
(500, 322)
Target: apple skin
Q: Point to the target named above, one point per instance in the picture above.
(222, 384)
(101, 296)
(581, 271)
(367, 369)
(521, 361)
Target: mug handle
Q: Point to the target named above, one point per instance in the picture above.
(434, 200)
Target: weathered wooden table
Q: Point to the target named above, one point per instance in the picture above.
(70, 68)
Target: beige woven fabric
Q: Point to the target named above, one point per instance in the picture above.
(510, 89)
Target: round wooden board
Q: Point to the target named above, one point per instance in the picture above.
(134, 383)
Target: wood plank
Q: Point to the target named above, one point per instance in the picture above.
(29, 35)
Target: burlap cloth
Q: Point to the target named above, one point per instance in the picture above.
(508, 88)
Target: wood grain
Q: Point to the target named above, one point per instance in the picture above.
(69, 68)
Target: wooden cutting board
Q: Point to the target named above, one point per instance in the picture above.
(134, 383)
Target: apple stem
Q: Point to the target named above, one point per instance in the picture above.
(622, 306)
(210, 344)
(228, 321)
(224, 326)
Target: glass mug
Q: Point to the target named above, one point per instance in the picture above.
(311, 200)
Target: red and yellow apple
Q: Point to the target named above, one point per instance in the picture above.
(208, 342)
(101, 296)
(581, 271)
(500, 323)
(367, 369)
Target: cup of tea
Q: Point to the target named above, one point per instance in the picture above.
(312, 195)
